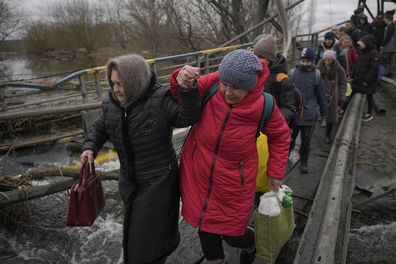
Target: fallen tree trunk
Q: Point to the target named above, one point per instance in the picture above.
(28, 193)
(24, 193)
(39, 173)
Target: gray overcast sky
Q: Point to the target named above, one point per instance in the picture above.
(328, 12)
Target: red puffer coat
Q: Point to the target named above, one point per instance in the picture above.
(219, 162)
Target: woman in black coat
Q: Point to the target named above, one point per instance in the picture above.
(138, 118)
(365, 71)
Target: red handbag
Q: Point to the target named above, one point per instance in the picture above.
(86, 198)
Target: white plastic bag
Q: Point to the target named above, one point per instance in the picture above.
(268, 203)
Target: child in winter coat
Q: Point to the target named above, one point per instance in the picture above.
(334, 80)
(277, 84)
(305, 78)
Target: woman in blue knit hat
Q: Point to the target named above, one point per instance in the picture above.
(219, 161)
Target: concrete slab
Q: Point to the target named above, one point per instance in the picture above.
(376, 161)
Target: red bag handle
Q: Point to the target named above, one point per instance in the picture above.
(87, 172)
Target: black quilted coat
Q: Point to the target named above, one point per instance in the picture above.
(148, 184)
(364, 72)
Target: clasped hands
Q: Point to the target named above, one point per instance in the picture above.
(187, 76)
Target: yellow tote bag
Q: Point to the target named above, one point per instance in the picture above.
(262, 179)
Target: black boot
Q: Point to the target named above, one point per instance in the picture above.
(247, 258)
(304, 166)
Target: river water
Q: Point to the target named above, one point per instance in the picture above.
(37, 232)
(22, 67)
(40, 236)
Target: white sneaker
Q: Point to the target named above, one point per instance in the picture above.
(367, 117)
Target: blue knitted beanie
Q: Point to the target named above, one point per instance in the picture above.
(239, 69)
(308, 53)
(329, 35)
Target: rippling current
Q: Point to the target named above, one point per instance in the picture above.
(40, 234)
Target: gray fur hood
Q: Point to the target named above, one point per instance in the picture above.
(134, 73)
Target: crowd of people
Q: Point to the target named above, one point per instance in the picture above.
(216, 176)
(366, 51)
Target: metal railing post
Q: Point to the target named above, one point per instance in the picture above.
(207, 66)
(97, 87)
(199, 63)
(2, 100)
(155, 68)
(294, 46)
(82, 89)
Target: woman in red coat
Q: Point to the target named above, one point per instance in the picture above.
(218, 164)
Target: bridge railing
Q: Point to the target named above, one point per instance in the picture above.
(93, 80)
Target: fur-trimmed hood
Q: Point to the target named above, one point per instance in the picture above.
(134, 73)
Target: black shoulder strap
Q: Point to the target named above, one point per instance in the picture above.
(211, 92)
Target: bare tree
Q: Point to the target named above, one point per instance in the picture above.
(10, 19)
(194, 23)
(150, 18)
(118, 18)
(76, 22)
(37, 37)
(260, 15)
(311, 15)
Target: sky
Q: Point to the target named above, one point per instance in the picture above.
(328, 12)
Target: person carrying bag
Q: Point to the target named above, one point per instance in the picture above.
(86, 197)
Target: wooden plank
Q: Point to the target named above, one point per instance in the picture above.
(39, 140)
(50, 111)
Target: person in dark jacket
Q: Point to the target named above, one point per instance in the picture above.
(362, 28)
(329, 43)
(334, 80)
(378, 29)
(304, 77)
(389, 42)
(277, 84)
(137, 118)
(349, 28)
(364, 73)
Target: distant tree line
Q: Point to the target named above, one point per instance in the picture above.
(10, 19)
(152, 25)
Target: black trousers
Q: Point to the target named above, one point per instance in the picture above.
(369, 103)
(212, 246)
(158, 261)
(306, 135)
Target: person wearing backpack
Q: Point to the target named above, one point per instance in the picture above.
(277, 84)
(218, 162)
(334, 80)
(307, 79)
